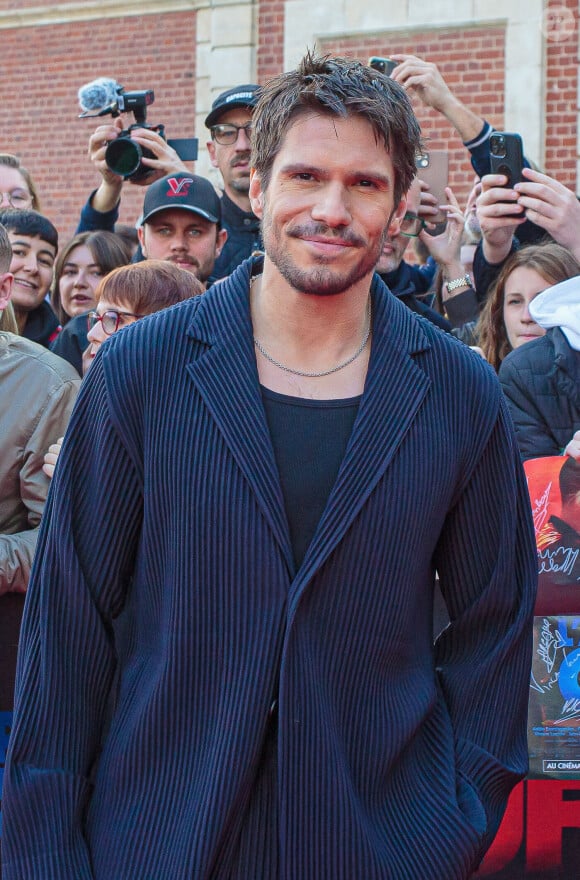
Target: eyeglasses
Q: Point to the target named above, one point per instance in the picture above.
(17, 198)
(227, 134)
(110, 320)
(411, 225)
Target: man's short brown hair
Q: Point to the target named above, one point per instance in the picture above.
(338, 87)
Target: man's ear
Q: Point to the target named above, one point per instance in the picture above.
(5, 289)
(221, 238)
(256, 193)
(211, 153)
(394, 226)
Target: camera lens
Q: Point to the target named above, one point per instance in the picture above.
(123, 156)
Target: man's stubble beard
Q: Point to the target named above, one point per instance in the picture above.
(241, 185)
(321, 281)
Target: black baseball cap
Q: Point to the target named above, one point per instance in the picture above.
(186, 191)
(240, 96)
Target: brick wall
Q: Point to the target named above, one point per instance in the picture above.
(562, 95)
(41, 69)
(270, 50)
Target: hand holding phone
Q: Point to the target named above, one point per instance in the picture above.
(433, 169)
(383, 65)
(506, 156)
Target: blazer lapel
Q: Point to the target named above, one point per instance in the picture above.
(226, 376)
(394, 390)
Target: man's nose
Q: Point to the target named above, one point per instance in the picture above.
(332, 205)
(179, 242)
(242, 141)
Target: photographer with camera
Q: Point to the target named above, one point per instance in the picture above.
(102, 208)
(140, 153)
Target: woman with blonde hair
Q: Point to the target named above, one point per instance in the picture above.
(16, 185)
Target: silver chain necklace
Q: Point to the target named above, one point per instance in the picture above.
(318, 375)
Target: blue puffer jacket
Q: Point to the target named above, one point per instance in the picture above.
(541, 381)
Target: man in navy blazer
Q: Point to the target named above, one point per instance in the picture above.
(227, 668)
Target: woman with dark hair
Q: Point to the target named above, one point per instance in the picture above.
(79, 267)
(505, 322)
(34, 241)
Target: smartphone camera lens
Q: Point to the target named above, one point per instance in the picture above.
(497, 145)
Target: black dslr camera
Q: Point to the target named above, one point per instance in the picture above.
(123, 155)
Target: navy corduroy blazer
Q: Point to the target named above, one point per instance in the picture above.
(189, 705)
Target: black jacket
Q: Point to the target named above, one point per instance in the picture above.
(403, 284)
(42, 325)
(244, 237)
(541, 381)
(72, 341)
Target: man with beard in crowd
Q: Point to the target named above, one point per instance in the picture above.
(408, 282)
(230, 124)
(182, 223)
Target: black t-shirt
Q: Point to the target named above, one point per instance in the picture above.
(309, 439)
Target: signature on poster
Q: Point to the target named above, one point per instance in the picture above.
(556, 668)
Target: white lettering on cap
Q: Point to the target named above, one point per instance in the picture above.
(239, 95)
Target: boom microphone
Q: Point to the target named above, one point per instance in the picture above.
(99, 95)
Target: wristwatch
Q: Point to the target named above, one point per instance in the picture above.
(464, 281)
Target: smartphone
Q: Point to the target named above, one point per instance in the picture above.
(433, 169)
(506, 156)
(383, 65)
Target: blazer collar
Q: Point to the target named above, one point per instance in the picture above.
(227, 378)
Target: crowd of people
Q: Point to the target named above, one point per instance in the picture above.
(500, 276)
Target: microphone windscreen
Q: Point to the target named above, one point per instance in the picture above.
(98, 94)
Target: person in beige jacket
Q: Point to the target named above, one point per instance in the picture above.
(37, 392)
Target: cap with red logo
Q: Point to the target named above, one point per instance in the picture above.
(188, 192)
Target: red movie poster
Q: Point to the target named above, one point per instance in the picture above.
(539, 838)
